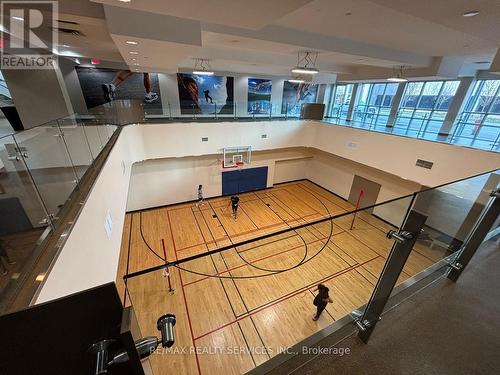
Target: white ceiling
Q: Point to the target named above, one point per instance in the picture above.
(263, 37)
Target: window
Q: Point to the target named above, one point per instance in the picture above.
(424, 106)
(341, 99)
(374, 101)
(479, 123)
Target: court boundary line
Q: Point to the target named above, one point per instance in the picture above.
(184, 297)
(286, 297)
(222, 285)
(239, 294)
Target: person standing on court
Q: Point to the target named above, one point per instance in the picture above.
(200, 196)
(234, 205)
(321, 300)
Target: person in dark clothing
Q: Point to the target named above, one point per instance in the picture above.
(321, 300)
(200, 196)
(234, 205)
(3, 254)
(207, 96)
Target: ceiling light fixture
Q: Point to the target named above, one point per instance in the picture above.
(202, 67)
(399, 77)
(134, 53)
(296, 80)
(131, 42)
(124, 1)
(471, 13)
(304, 63)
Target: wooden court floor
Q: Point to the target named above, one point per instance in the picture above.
(238, 308)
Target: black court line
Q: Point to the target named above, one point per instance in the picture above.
(281, 204)
(237, 290)
(222, 285)
(244, 242)
(319, 239)
(128, 260)
(246, 307)
(305, 188)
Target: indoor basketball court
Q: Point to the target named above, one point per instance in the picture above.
(242, 289)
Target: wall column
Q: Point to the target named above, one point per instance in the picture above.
(350, 111)
(456, 105)
(395, 105)
(39, 95)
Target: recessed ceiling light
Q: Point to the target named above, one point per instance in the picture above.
(131, 42)
(134, 53)
(471, 13)
(134, 59)
(136, 64)
(296, 80)
(124, 1)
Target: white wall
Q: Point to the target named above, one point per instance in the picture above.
(89, 258)
(160, 182)
(290, 170)
(337, 174)
(397, 155)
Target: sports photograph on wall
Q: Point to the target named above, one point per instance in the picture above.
(259, 95)
(102, 85)
(205, 95)
(296, 94)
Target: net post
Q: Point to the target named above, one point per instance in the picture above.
(166, 268)
(361, 194)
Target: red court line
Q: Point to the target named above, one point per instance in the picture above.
(273, 303)
(189, 321)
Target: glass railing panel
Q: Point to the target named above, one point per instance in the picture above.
(452, 212)
(49, 163)
(78, 147)
(23, 218)
(94, 138)
(252, 295)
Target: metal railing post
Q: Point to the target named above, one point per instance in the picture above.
(48, 216)
(61, 135)
(405, 240)
(476, 238)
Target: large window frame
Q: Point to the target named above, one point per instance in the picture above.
(479, 122)
(340, 101)
(374, 102)
(424, 106)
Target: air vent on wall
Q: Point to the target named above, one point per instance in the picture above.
(424, 164)
(204, 139)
